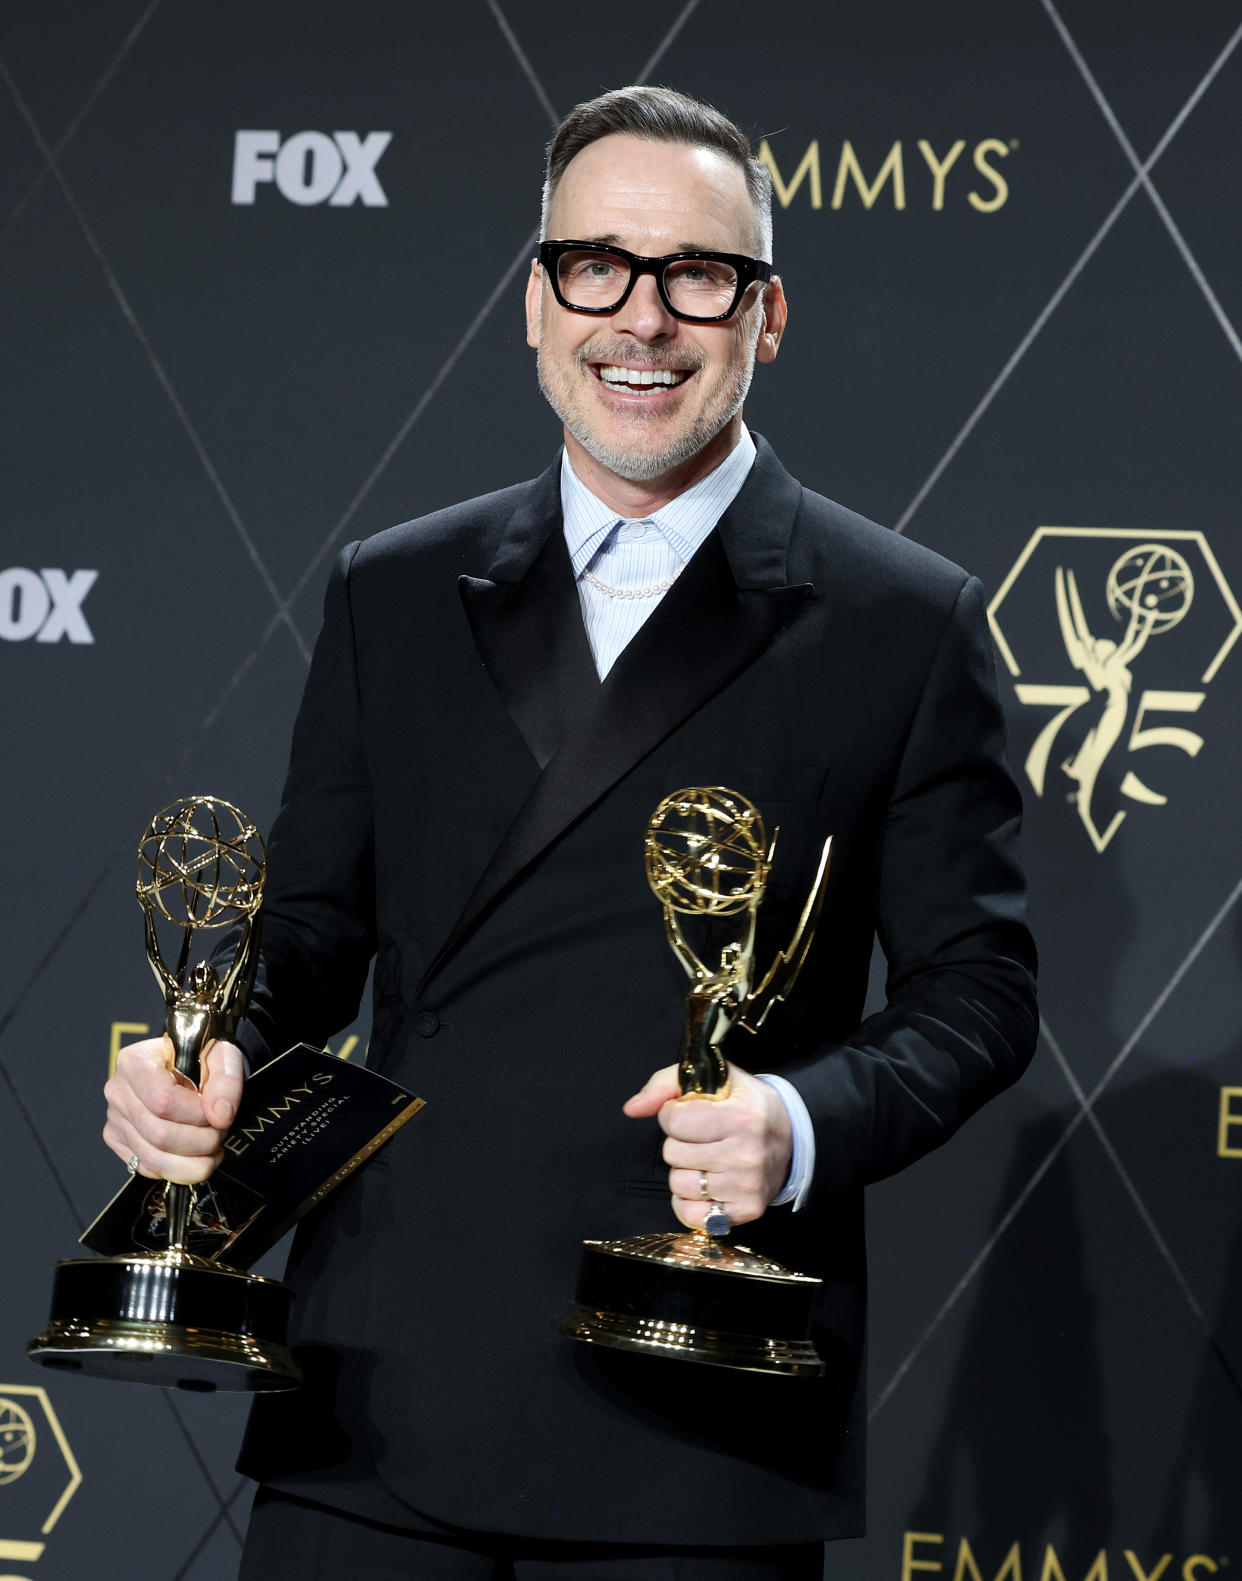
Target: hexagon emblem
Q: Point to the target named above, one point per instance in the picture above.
(38, 1472)
(1114, 633)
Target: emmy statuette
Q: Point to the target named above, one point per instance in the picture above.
(172, 1318)
(693, 1294)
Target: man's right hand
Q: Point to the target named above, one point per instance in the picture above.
(175, 1129)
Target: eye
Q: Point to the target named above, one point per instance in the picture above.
(587, 266)
(702, 274)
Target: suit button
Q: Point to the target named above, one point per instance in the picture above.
(426, 1023)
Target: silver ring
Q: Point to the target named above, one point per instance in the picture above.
(705, 1191)
(132, 1166)
(717, 1221)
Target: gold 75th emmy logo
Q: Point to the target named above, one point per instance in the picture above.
(38, 1472)
(1113, 606)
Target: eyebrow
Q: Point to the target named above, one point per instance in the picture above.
(613, 240)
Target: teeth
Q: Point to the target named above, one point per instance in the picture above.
(639, 378)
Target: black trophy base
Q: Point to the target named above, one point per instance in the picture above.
(172, 1320)
(693, 1298)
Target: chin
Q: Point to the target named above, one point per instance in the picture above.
(639, 466)
(639, 462)
(642, 467)
(637, 455)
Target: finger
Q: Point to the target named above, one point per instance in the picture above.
(742, 1155)
(222, 1086)
(699, 1119)
(120, 1139)
(143, 1085)
(695, 1155)
(688, 1184)
(683, 1207)
(152, 1052)
(658, 1090)
(685, 1183)
(693, 1214)
(168, 1137)
(188, 1139)
(154, 1162)
(178, 1171)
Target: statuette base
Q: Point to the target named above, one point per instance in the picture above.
(170, 1320)
(692, 1298)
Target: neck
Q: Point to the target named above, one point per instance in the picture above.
(644, 499)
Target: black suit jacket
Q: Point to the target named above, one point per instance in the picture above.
(466, 802)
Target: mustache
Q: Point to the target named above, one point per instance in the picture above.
(625, 354)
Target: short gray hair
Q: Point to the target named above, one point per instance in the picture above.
(659, 115)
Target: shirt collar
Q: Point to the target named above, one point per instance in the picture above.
(685, 521)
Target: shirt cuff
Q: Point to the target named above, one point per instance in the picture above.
(802, 1164)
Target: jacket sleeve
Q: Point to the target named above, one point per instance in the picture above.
(961, 1022)
(319, 903)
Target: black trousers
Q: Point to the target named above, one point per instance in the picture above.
(290, 1537)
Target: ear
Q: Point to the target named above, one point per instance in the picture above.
(534, 303)
(775, 313)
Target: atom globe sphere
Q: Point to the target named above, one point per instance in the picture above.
(201, 862)
(1153, 583)
(17, 1441)
(707, 852)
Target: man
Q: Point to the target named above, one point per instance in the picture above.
(501, 694)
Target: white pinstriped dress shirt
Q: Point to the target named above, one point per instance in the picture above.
(638, 559)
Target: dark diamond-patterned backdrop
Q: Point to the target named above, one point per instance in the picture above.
(1011, 256)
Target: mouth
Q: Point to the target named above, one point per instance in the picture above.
(640, 384)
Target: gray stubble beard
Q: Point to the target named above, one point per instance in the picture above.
(644, 468)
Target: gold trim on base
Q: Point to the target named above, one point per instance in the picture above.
(787, 1358)
(206, 1350)
(704, 1253)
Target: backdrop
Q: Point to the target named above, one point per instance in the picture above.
(262, 273)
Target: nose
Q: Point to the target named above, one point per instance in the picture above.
(644, 315)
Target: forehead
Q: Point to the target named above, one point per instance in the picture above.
(654, 198)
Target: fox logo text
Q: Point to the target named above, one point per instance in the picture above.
(311, 167)
(45, 605)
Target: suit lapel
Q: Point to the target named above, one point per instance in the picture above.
(534, 645)
(719, 617)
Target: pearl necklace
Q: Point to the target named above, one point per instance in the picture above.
(651, 591)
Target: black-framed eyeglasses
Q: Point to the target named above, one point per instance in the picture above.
(699, 287)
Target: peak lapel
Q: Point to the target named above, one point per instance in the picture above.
(721, 614)
(534, 646)
(527, 624)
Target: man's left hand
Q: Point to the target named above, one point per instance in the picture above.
(742, 1143)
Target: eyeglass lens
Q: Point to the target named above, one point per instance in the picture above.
(701, 287)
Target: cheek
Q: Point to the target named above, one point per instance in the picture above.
(561, 347)
(726, 353)
(722, 376)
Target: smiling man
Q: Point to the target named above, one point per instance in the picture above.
(647, 360)
(501, 694)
